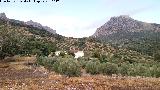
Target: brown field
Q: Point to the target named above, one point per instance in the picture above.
(39, 78)
(18, 76)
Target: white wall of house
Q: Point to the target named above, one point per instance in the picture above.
(79, 54)
(57, 53)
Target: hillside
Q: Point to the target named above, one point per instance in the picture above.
(125, 32)
(125, 23)
(30, 38)
(27, 59)
(19, 38)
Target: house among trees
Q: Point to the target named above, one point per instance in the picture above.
(57, 53)
(77, 53)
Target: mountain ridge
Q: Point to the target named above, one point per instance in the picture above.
(125, 32)
(124, 23)
(28, 23)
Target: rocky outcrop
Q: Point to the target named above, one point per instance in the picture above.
(34, 24)
(39, 26)
(3, 16)
(31, 23)
(49, 29)
(124, 23)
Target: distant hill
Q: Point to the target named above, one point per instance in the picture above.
(124, 31)
(30, 38)
(27, 24)
(24, 38)
(125, 23)
(21, 38)
(39, 26)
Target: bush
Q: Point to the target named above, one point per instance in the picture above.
(82, 61)
(110, 68)
(144, 71)
(155, 71)
(96, 54)
(123, 69)
(41, 60)
(46, 61)
(103, 58)
(157, 56)
(138, 70)
(67, 66)
(93, 67)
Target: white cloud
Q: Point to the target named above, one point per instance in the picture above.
(66, 25)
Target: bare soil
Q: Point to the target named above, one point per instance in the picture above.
(38, 78)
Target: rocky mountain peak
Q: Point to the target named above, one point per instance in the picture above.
(121, 18)
(3, 16)
(39, 26)
(119, 23)
(34, 24)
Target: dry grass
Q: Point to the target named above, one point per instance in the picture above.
(4, 65)
(17, 62)
(19, 67)
(37, 79)
(20, 59)
(20, 77)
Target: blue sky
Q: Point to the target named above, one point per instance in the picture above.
(81, 18)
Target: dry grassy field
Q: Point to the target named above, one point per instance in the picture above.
(38, 78)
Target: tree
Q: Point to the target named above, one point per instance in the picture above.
(157, 56)
(67, 66)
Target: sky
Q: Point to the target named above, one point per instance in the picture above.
(80, 18)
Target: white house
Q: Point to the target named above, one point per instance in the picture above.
(57, 53)
(79, 54)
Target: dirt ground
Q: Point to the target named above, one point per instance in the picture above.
(38, 78)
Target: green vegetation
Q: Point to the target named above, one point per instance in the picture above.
(146, 42)
(157, 56)
(65, 66)
(133, 54)
(93, 67)
(17, 41)
(71, 67)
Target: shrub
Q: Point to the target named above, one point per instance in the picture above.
(46, 61)
(110, 68)
(93, 67)
(103, 58)
(155, 71)
(141, 70)
(41, 60)
(144, 71)
(82, 61)
(102, 68)
(36, 52)
(123, 69)
(67, 66)
(138, 69)
(157, 56)
(96, 53)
